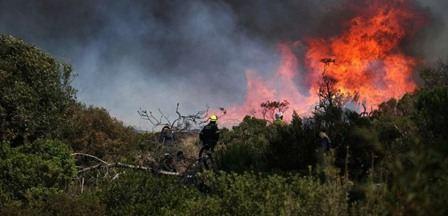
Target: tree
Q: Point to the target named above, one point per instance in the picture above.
(270, 107)
(35, 92)
(431, 116)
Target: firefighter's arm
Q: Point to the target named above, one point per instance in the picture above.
(201, 135)
(217, 134)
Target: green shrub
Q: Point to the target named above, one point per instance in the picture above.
(35, 92)
(93, 131)
(245, 147)
(258, 194)
(225, 194)
(58, 204)
(138, 193)
(255, 145)
(292, 147)
(41, 165)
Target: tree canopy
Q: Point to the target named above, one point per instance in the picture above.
(35, 92)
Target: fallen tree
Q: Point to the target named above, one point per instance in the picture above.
(104, 164)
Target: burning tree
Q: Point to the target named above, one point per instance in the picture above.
(270, 107)
(329, 94)
(331, 98)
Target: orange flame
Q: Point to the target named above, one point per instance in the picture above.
(369, 61)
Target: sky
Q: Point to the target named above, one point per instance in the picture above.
(153, 54)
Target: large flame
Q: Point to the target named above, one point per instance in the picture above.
(369, 57)
(280, 86)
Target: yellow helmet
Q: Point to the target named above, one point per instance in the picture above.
(213, 118)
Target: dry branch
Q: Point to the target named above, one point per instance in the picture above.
(104, 164)
(181, 123)
(149, 116)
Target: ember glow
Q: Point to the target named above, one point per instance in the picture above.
(369, 57)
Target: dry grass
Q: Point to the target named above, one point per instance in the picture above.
(190, 146)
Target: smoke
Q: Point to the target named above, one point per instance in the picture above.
(153, 54)
(433, 46)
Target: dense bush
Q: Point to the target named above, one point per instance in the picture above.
(227, 194)
(35, 92)
(142, 194)
(35, 168)
(245, 146)
(92, 130)
(420, 180)
(58, 204)
(255, 194)
(292, 147)
(255, 145)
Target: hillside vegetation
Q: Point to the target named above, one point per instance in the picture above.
(391, 161)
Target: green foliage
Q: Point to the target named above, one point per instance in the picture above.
(421, 178)
(35, 92)
(93, 131)
(363, 150)
(42, 165)
(412, 132)
(292, 147)
(227, 194)
(143, 194)
(245, 147)
(375, 201)
(253, 194)
(255, 145)
(58, 204)
(431, 116)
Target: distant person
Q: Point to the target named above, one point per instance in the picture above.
(323, 155)
(279, 119)
(166, 135)
(209, 135)
(324, 141)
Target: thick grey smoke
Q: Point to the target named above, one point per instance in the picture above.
(153, 54)
(434, 45)
(146, 54)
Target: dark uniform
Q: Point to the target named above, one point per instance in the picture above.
(209, 136)
(166, 135)
(325, 143)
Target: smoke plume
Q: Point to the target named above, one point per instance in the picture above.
(153, 54)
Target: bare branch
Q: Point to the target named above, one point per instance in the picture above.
(144, 115)
(149, 116)
(91, 168)
(185, 121)
(164, 116)
(181, 123)
(91, 156)
(179, 116)
(105, 164)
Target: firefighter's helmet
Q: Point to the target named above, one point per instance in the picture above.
(213, 118)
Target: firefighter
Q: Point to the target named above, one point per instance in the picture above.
(166, 135)
(324, 141)
(279, 119)
(209, 135)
